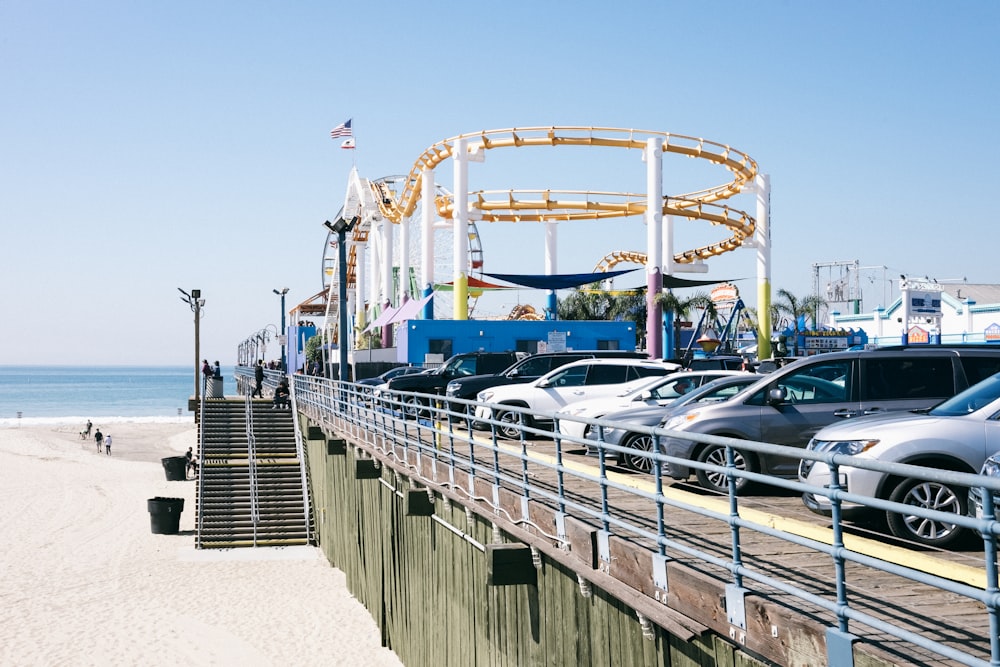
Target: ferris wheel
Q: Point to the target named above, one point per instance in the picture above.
(366, 247)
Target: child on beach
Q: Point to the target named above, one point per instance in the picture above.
(107, 444)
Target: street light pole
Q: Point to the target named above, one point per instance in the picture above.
(341, 227)
(283, 335)
(197, 303)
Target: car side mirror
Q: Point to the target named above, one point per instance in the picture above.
(545, 384)
(645, 395)
(776, 396)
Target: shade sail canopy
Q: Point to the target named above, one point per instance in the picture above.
(382, 319)
(671, 282)
(409, 309)
(557, 280)
(473, 283)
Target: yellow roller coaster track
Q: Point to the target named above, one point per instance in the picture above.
(570, 205)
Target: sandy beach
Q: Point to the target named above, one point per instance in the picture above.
(84, 581)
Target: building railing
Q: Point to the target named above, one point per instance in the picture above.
(443, 431)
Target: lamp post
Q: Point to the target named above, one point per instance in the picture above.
(197, 303)
(340, 228)
(283, 335)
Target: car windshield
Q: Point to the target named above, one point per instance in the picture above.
(970, 400)
(639, 386)
(720, 389)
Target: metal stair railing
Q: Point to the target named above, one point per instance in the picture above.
(200, 471)
(300, 452)
(252, 466)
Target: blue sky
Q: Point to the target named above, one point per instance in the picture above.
(146, 146)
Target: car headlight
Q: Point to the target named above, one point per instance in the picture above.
(484, 396)
(849, 447)
(573, 411)
(678, 421)
(991, 467)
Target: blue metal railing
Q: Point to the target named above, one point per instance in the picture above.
(445, 435)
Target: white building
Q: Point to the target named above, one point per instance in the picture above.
(931, 312)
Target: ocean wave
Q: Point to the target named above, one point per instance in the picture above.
(82, 421)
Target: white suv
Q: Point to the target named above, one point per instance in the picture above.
(587, 378)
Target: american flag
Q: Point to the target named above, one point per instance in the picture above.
(342, 130)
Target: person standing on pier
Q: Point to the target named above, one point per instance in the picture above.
(258, 376)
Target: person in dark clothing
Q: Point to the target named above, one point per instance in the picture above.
(99, 438)
(206, 370)
(258, 376)
(218, 371)
(281, 394)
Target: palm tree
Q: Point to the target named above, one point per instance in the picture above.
(797, 308)
(680, 308)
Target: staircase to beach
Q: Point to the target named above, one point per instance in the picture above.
(251, 487)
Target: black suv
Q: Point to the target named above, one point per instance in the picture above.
(434, 382)
(528, 369)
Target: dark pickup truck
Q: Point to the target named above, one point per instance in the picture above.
(528, 369)
(434, 382)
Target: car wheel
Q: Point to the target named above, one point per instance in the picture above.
(509, 425)
(412, 406)
(641, 442)
(927, 495)
(715, 480)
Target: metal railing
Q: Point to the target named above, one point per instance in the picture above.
(444, 433)
(301, 453)
(252, 466)
(200, 470)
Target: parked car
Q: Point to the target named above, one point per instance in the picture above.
(959, 434)
(791, 404)
(435, 381)
(389, 374)
(657, 391)
(977, 505)
(720, 389)
(573, 382)
(528, 369)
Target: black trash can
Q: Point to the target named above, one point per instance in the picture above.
(165, 515)
(175, 468)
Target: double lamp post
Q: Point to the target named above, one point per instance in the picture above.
(340, 228)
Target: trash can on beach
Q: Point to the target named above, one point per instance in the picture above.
(175, 468)
(165, 515)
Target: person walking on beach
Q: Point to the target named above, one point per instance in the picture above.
(107, 444)
(258, 376)
(192, 467)
(99, 438)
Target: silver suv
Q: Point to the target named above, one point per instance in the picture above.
(959, 434)
(790, 405)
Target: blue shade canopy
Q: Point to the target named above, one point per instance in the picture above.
(558, 280)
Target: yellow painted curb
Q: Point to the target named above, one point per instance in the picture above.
(914, 560)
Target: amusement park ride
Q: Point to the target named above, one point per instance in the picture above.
(393, 266)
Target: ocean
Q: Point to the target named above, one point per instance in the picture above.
(71, 394)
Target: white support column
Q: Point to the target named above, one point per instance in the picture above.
(360, 279)
(654, 245)
(668, 245)
(762, 241)
(460, 220)
(404, 260)
(427, 216)
(551, 248)
(387, 262)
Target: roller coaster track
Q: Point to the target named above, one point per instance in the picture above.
(569, 205)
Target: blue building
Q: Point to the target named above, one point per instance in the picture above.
(427, 341)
